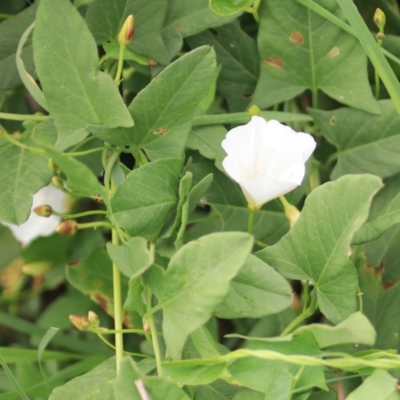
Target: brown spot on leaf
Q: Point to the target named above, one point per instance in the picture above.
(73, 262)
(82, 275)
(296, 37)
(180, 27)
(332, 120)
(387, 285)
(274, 62)
(101, 300)
(152, 63)
(160, 131)
(334, 52)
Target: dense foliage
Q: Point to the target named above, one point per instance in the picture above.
(162, 282)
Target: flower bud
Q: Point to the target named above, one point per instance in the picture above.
(291, 212)
(126, 33)
(68, 227)
(80, 322)
(52, 165)
(38, 268)
(57, 182)
(253, 110)
(380, 19)
(43, 211)
(94, 319)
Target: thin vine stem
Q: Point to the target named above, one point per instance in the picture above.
(23, 117)
(79, 215)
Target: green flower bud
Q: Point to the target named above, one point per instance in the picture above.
(52, 165)
(253, 110)
(380, 19)
(126, 33)
(68, 227)
(57, 182)
(43, 211)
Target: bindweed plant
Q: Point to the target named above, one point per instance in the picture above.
(200, 199)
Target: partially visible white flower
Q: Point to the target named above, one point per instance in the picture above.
(267, 159)
(37, 226)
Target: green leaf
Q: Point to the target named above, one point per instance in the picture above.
(80, 178)
(229, 209)
(194, 374)
(274, 378)
(94, 385)
(238, 55)
(198, 191)
(143, 201)
(381, 307)
(13, 355)
(378, 386)
(23, 174)
(130, 378)
(12, 379)
(301, 50)
(389, 216)
(197, 279)
(207, 140)
(257, 290)
(228, 7)
(319, 252)
(77, 93)
(185, 18)
(132, 259)
(105, 19)
(10, 32)
(162, 126)
(9, 247)
(217, 390)
(366, 143)
(24, 75)
(93, 277)
(354, 329)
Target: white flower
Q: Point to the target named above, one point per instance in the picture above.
(266, 159)
(37, 226)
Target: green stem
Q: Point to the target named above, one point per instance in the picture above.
(125, 352)
(107, 171)
(15, 142)
(377, 79)
(86, 152)
(5, 16)
(314, 98)
(104, 331)
(306, 313)
(117, 79)
(153, 331)
(119, 337)
(23, 117)
(83, 142)
(79, 215)
(243, 118)
(96, 225)
(250, 221)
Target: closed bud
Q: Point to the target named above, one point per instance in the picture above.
(80, 322)
(38, 268)
(94, 319)
(43, 211)
(68, 227)
(126, 33)
(52, 165)
(380, 19)
(253, 110)
(146, 327)
(57, 182)
(291, 212)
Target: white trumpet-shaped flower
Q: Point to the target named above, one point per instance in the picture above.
(267, 159)
(37, 226)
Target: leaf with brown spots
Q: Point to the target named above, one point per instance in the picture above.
(301, 50)
(381, 307)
